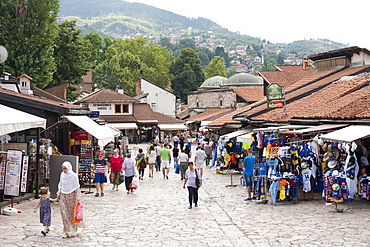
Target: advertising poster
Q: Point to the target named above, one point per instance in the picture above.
(13, 172)
(24, 174)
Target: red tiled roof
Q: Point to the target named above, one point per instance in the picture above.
(143, 112)
(286, 75)
(227, 118)
(306, 104)
(59, 91)
(107, 95)
(341, 100)
(210, 114)
(250, 94)
(44, 94)
(165, 119)
(38, 99)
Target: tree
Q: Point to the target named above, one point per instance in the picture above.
(221, 53)
(28, 31)
(71, 54)
(119, 70)
(188, 73)
(216, 68)
(127, 60)
(95, 47)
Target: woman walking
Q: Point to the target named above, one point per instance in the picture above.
(151, 160)
(141, 163)
(130, 172)
(191, 176)
(68, 195)
(115, 169)
(99, 168)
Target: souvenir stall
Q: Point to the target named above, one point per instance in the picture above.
(287, 164)
(228, 152)
(346, 162)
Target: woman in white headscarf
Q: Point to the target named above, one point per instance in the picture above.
(68, 195)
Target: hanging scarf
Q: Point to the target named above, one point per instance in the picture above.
(68, 181)
(140, 157)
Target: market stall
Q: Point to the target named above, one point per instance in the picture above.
(14, 175)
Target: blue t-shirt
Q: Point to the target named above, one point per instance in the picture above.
(249, 165)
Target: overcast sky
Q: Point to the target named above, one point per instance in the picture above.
(282, 20)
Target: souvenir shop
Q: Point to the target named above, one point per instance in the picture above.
(293, 162)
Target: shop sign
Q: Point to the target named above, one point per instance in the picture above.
(306, 65)
(274, 91)
(95, 114)
(275, 104)
(24, 174)
(13, 172)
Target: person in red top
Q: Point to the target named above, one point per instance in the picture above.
(115, 169)
(99, 170)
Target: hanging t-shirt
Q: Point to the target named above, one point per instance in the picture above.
(5, 138)
(351, 169)
(262, 167)
(306, 175)
(273, 163)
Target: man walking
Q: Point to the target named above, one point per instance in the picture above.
(208, 151)
(248, 166)
(199, 158)
(165, 155)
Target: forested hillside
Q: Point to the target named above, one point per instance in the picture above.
(117, 11)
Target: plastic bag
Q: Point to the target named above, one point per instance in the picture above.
(134, 184)
(177, 169)
(78, 213)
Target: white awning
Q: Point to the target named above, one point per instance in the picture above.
(348, 134)
(123, 126)
(13, 120)
(115, 132)
(236, 133)
(172, 126)
(101, 133)
(205, 123)
(247, 138)
(282, 127)
(314, 129)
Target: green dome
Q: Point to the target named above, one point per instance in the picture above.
(243, 79)
(214, 82)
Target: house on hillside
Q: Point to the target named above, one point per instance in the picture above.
(159, 99)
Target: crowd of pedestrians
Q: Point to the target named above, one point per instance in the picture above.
(126, 168)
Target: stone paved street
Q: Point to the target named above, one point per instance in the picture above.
(157, 215)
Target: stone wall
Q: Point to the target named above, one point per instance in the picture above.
(209, 99)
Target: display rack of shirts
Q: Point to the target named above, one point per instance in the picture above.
(85, 161)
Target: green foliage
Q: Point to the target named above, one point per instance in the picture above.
(221, 53)
(216, 67)
(94, 48)
(127, 60)
(28, 32)
(71, 55)
(188, 73)
(71, 94)
(94, 11)
(231, 71)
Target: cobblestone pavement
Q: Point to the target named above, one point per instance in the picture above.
(157, 215)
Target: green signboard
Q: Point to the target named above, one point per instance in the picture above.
(274, 91)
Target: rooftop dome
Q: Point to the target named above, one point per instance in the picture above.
(214, 82)
(243, 79)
